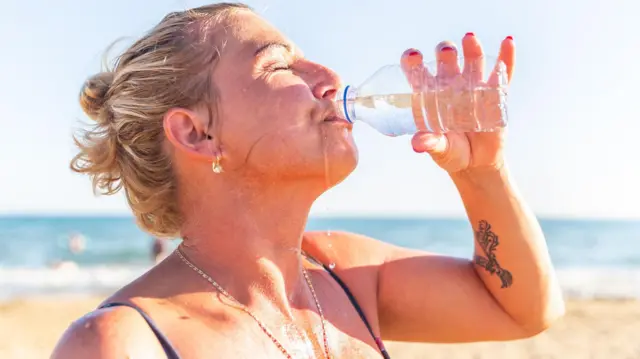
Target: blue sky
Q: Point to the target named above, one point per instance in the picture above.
(575, 117)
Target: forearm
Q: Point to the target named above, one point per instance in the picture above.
(511, 255)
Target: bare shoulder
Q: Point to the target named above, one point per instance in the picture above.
(357, 261)
(117, 332)
(346, 249)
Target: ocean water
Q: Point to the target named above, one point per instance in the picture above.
(594, 259)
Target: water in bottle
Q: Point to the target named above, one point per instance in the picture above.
(395, 104)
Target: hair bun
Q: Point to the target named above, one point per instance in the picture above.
(94, 94)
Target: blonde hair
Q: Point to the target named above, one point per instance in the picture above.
(168, 67)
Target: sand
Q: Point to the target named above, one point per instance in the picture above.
(591, 329)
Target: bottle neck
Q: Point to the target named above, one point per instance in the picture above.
(345, 103)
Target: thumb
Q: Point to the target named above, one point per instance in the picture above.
(434, 144)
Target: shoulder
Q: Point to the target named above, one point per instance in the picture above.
(116, 332)
(357, 261)
(346, 249)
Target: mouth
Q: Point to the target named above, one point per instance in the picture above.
(336, 120)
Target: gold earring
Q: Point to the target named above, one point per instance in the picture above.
(216, 167)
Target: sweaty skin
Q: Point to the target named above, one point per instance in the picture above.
(244, 227)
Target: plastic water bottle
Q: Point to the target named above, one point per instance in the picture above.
(395, 103)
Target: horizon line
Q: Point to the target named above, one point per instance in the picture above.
(9, 215)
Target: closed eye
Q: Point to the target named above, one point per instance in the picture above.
(280, 68)
(278, 65)
(281, 56)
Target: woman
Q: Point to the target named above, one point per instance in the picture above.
(222, 133)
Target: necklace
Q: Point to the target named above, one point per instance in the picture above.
(252, 315)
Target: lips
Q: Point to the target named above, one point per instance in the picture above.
(339, 121)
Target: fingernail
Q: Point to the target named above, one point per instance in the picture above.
(446, 48)
(470, 34)
(510, 37)
(413, 53)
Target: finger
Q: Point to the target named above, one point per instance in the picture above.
(473, 58)
(417, 74)
(431, 143)
(448, 72)
(447, 59)
(421, 80)
(413, 68)
(493, 98)
(503, 69)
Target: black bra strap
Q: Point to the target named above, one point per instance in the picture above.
(166, 345)
(355, 304)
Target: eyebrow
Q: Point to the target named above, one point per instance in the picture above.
(272, 45)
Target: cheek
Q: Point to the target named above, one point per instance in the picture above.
(282, 112)
(269, 121)
(288, 103)
(260, 107)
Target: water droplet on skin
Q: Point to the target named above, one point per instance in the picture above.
(328, 186)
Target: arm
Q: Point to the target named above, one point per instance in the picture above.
(511, 254)
(507, 292)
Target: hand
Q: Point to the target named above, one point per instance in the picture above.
(458, 151)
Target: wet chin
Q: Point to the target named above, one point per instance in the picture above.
(341, 158)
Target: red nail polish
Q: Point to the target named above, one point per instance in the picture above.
(470, 34)
(413, 53)
(510, 37)
(446, 48)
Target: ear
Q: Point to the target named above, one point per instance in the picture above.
(186, 131)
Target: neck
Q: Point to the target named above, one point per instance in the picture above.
(249, 241)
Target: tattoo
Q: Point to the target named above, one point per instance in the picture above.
(488, 242)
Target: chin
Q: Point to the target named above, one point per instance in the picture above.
(339, 163)
(327, 163)
(339, 145)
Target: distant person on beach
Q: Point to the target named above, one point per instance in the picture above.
(76, 243)
(158, 249)
(223, 134)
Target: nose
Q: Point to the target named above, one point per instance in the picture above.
(326, 83)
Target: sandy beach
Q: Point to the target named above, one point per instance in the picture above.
(591, 329)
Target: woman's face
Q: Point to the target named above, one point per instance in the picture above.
(276, 115)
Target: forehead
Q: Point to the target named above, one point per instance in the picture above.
(247, 32)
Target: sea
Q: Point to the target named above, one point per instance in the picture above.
(595, 259)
